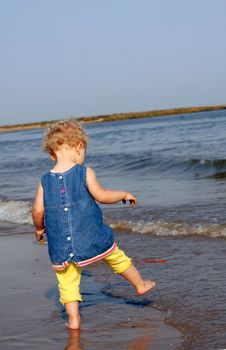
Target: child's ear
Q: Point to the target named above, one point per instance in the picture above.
(52, 156)
(80, 146)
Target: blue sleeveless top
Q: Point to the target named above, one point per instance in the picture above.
(73, 220)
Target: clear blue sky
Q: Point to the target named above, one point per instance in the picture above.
(74, 58)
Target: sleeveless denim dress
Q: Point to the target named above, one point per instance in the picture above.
(73, 220)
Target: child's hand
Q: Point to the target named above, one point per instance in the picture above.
(39, 235)
(129, 197)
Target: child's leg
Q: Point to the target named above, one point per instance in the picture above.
(73, 315)
(69, 288)
(121, 264)
(133, 276)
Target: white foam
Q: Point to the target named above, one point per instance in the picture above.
(18, 212)
(175, 229)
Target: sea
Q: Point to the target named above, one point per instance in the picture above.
(176, 167)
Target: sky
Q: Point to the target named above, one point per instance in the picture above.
(60, 59)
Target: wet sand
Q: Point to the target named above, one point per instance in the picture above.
(112, 316)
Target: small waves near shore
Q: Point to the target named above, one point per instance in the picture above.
(174, 229)
(19, 212)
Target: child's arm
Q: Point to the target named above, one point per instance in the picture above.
(38, 213)
(104, 195)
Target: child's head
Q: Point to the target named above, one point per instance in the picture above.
(63, 133)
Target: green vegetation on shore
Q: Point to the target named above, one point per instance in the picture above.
(115, 117)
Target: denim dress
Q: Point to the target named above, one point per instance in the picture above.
(73, 220)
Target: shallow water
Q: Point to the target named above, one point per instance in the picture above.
(32, 317)
(191, 285)
(190, 295)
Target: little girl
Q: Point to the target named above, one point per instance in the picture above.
(65, 208)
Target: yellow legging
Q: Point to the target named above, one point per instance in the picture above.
(69, 279)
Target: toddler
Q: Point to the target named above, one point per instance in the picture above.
(65, 208)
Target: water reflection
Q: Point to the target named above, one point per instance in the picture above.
(142, 342)
(74, 341)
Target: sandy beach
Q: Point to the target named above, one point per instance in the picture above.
(33, 318)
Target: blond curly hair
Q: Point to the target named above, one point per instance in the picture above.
(65, 132)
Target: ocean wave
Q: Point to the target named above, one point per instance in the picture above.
(209, 168)
(173, 229)
(152, 162)
(216, 163)
(18, 212)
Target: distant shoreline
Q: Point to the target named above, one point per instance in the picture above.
(115, 117)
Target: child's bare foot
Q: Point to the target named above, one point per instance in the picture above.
(73, 324)
(145, 286)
